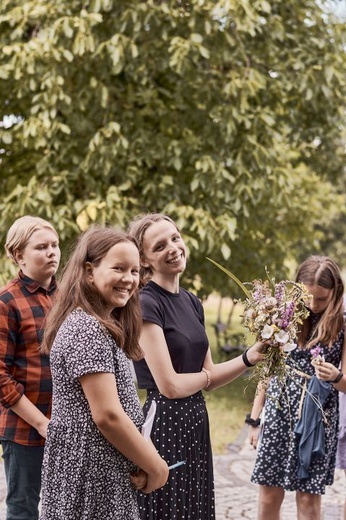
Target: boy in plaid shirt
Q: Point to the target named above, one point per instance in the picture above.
(25, 378)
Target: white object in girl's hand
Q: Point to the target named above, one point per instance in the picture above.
(149, 421)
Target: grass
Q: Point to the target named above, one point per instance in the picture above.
(228, 405)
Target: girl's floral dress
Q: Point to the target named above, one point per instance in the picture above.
(277, 458)
(84, 476)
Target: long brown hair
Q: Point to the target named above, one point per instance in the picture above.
(137, 229)
(75, 290)
(323, 271)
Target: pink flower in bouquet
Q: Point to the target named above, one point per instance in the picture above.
(316, 358)
(316, 351)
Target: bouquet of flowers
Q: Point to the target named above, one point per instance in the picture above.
(272, 314)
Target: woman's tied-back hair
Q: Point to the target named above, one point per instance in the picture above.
(75, 290)
(20, 232)
(322, 271)
(137, 229)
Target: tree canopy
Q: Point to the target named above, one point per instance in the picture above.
(227, 115)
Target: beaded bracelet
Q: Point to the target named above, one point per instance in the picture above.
(207, 373)
(245, 359)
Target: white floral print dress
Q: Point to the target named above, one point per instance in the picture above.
(277, 458)
(84, 477)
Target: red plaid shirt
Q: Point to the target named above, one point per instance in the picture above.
(23, 370)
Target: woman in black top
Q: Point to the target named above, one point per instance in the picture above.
(177, 366)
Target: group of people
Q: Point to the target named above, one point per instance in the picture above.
(70, 418)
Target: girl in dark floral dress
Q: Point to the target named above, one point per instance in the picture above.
(279, 459)
(94, 447)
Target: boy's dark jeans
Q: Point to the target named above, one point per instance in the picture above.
(23, 476)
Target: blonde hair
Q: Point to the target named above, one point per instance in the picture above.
(20, 232)
(137, 229)
(324, 272)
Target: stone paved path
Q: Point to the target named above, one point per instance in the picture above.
(236, 497)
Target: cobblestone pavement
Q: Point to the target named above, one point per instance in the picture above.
(236, 496)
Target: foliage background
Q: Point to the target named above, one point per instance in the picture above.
(228, 115)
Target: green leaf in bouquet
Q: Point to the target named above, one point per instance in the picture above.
(231, 275)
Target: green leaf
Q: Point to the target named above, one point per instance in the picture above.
(6, 137)
(231, 275)
(226, 251)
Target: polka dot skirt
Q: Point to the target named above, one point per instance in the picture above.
(181, 432)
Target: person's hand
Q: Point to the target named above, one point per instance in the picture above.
(157, 478)
(43, 427)
(254, 433)
(256, 352)
(139, 479)
(325, 371)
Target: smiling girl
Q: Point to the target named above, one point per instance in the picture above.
(177, 367)
(93, 443)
